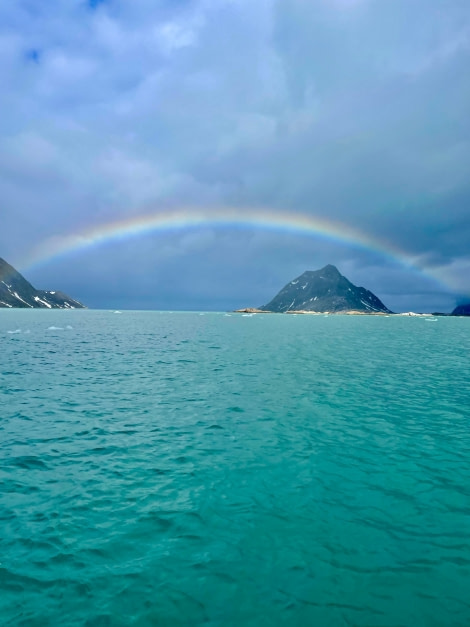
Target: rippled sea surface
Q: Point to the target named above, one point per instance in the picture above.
(212, 469)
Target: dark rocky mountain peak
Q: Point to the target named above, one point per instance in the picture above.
(324, 290)
(328, 270)
(16, 291)
(461, 310)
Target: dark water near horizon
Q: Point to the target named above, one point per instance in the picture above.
(186, 469)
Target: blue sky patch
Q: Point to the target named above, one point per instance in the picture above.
(33, 55)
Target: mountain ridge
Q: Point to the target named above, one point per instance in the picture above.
(17, 292)
(324, 290)
(461, 310)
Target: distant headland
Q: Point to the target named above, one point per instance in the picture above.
(328, 291)
(16, 291)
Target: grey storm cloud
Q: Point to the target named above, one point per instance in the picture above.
(351, 110)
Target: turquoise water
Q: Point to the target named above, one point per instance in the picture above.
(187, 469)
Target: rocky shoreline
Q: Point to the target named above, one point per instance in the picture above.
(347, 312)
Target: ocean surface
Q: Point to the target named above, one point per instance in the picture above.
(214, 469)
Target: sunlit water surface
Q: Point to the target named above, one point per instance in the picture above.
(188, 469)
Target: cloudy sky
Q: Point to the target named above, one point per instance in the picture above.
(354, 111)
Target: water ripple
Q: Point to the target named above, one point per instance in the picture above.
(163, 469)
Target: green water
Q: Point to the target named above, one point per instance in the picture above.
(187, 469)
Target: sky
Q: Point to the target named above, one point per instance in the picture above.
(355, 112)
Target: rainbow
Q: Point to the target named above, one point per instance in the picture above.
(173, 221)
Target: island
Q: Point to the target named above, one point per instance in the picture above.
(322, 291)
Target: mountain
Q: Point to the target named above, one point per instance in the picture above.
(324, 290)
(16, 291)
(461, 310)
